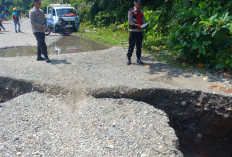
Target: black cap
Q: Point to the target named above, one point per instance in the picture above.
(38, 1)
(138, 1)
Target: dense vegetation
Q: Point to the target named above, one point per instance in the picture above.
(199, 31)
(194, 31)
(23, 4)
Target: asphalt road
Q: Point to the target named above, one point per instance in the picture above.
(25, 38)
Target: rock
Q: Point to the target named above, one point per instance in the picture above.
(183, 103)
(37, 153)
(144, 155)
(205, 78)
(19, 153)
(15, 139)
(220, 77)
(210, 76)
(199, 135)
(114, 124)
(226, 116)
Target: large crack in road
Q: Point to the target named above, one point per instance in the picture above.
(202, 121)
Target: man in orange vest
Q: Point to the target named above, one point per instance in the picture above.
(136, 20)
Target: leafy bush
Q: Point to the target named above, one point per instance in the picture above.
(200, 33)
(103, 18)
(153, 35)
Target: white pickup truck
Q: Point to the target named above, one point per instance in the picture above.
(62, 13)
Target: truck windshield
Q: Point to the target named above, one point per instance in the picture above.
(66, 12)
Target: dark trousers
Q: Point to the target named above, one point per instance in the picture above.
(41, 45)
(135, 38)
(1, 25)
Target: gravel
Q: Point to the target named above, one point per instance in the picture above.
(38, 124)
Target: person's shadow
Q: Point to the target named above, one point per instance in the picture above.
(55, 61)
(3, 31)
(22, 32)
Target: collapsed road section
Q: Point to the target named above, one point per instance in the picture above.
(201, 121)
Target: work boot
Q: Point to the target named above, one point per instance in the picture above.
(47, 59)
(140, 62)
(40, 59)
(128, 61)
